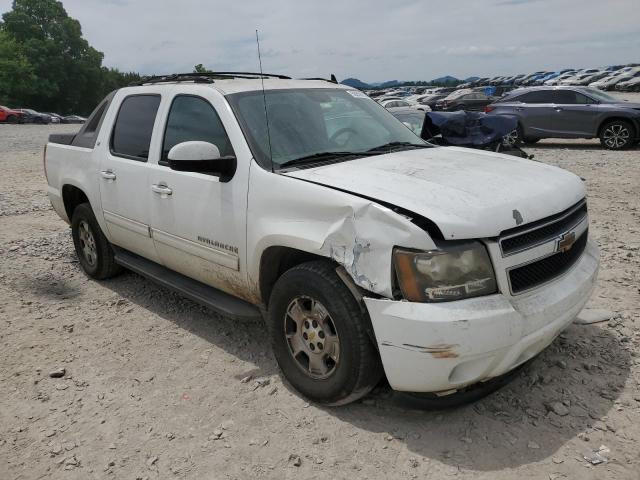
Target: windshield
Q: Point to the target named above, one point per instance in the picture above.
(601, 96)
(308, 122)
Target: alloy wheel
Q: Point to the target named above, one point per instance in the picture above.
(616, 136)
(511, 138)
(87, 243)
(312, 337)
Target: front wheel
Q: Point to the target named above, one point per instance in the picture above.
(92, 247)
(320, 336)
(617, 135)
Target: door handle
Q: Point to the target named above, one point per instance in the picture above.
(162, 190)
(558, 109)
(519, 109)
(108, 175)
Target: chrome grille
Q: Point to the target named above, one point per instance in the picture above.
(538, 272)
(528, 236)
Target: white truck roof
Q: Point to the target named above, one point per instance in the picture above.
(236, 85)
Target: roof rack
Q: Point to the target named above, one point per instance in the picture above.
(333, 79)
(204, 77)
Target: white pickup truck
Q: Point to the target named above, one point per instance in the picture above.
(367, 250)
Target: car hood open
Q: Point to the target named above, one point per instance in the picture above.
(467, 193)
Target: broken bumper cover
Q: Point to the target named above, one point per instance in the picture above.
(436, 347)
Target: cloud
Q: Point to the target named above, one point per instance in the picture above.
(373, 40)
(488, 50)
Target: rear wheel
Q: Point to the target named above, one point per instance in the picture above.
(12, 119)
(92, 247)
(320, 336)
(617, 135)
(523, 139)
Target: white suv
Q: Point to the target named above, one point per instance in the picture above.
(367, 250)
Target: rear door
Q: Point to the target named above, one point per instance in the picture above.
(535, 111)
(124, 174)
(576, 115)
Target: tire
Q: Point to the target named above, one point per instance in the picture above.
(92, 247)
(617, 135)
(12, 119)
(315, 291)
(526, 140)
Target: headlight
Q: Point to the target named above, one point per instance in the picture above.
(452, 272)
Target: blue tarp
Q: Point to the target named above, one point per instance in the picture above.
(468, 128)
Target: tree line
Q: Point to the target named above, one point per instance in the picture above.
(47, 65)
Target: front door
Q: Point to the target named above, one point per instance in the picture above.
(198, 222)
(124, 175)
(576, 114)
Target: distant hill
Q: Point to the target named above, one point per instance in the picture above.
(355, 83)
(390, 84)
(471, 79)
(445, 79)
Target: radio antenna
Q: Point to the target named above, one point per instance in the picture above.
(264, 101)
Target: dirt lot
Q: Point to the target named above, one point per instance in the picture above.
(153, 385)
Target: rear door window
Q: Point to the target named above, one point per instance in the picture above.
(131, 137)
(569, 97)
(538, 96)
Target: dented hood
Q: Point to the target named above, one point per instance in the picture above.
(467, 193)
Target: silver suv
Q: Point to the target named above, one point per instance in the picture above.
(571, 112)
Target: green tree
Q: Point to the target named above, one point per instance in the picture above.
(200, 68)
(16, 73)
(60, 70)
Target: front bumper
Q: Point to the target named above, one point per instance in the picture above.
(437, 347)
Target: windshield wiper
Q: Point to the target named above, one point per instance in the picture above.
(318, 157)
(391, 145)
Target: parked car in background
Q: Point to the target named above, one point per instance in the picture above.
(10, 115)
(632, 85)
(578, 77)
(411, 118)
(464, 100)
(571, 112)
(73, 119)
(55, 118)
(609, 83)
(559, 78)
(31, 116)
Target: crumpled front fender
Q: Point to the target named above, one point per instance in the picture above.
(357, 233)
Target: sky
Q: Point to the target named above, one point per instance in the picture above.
(371, 40)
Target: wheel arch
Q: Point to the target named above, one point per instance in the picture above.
(275, 260)
(634, 123)
(73, 196)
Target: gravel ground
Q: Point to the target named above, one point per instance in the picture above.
(155, 386)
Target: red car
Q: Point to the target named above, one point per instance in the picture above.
(8, 115)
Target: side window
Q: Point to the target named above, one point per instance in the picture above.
(582, 99)
(131, 135)
(538, 96)
(569, 97)
(92, 123)
(193, 118)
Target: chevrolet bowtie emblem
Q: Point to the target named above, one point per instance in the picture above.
(566, 242)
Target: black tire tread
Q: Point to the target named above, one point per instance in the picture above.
(368, 369)
(107, 266)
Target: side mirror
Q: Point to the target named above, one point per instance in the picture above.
(201, 157)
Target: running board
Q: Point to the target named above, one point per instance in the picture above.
(210, 297)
